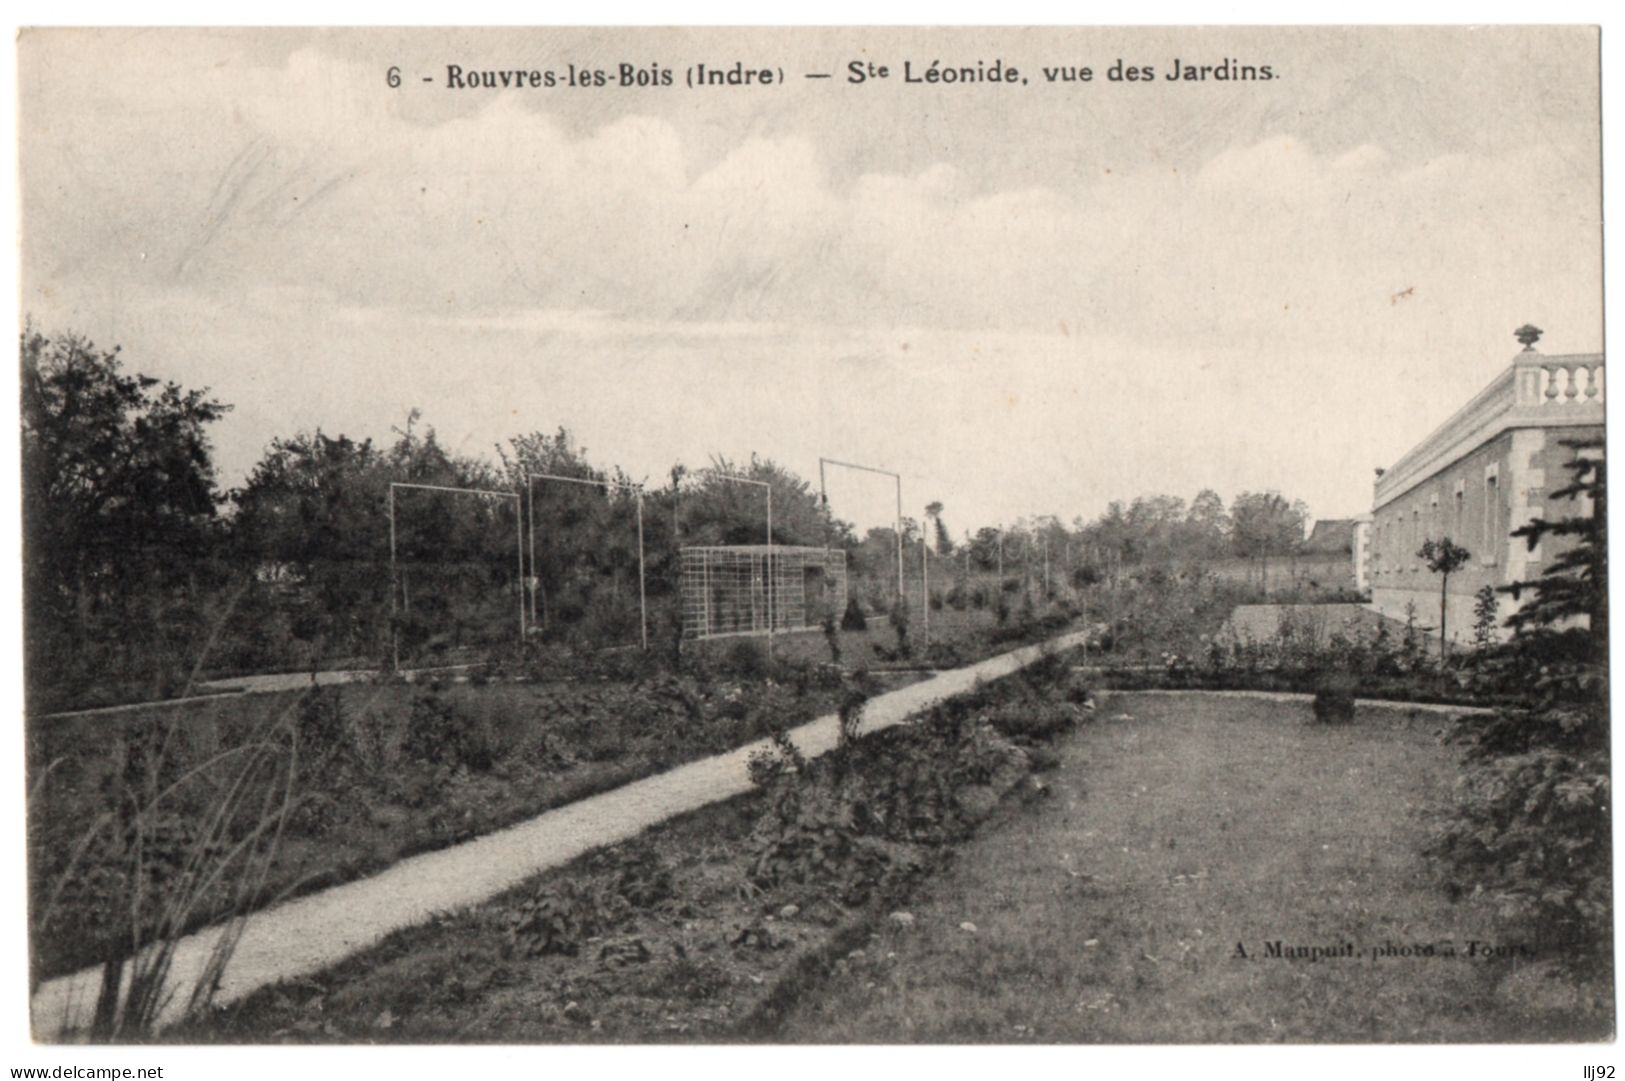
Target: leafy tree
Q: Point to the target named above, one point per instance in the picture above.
(119, 514)
(945, 541)
(1265, 524)
(1443, 557)
(312, 524)
(583, 566)
(1574, 583)
(984, 548)
(1207, 525)
(719, 511)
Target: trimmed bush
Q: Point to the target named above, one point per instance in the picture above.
(853, 619)
(1334, 706)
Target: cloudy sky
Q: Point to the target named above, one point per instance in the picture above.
(1028, 299)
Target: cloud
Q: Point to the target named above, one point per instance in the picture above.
(264, 223)
(304, 174)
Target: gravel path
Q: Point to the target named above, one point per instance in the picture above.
(314, 932)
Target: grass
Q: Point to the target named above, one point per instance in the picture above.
(1113, 912)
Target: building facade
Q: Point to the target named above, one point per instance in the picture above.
(1362, 553)
(1483, 473)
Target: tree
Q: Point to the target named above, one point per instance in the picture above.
(984, 548)
(1574, 584)
(717, 510)
(945, 542)
(119, 513)
(1443, 557)
(1265, 524)
(312, 528)
(1207, 525)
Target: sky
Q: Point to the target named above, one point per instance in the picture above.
(1028, 299)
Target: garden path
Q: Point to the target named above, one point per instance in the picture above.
(313, 932)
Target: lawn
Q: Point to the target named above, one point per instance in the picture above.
(1180, 831)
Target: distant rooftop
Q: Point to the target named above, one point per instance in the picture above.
(1330, 536)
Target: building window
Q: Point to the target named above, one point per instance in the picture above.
(1458, 517)
(1492, 513)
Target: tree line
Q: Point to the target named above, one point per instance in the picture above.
(142, 572)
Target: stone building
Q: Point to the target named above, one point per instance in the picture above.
(1486, 471)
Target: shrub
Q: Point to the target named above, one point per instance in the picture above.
(184, 841)
(848, 821)
(320, 722)
(945, 654)
(832, 638)
(1485, 616)
(850, 715)
(746, 659)
(1411, 647)
(853, 619)
(437, 735)
(1035, 718)
(557, 920)
(636, 874)
(1334, 706)
(780, 758)
(899, 623)
(1531, 827)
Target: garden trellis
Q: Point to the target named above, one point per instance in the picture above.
(741, 589)
(744, 581)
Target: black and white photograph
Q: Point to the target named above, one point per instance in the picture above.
(824, 535)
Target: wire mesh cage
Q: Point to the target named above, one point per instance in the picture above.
(752, 588)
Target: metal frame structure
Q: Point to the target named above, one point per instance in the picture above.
(736, 478)
(732, 590)
(394, 587)
(823, 497)
(530, 513)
